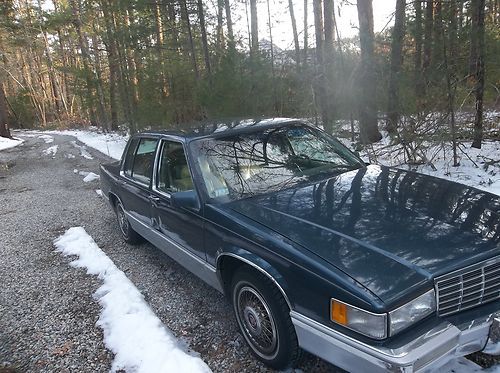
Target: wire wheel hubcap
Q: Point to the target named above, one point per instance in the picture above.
(122, 221)
(257, 322)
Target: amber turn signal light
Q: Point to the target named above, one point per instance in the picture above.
(338, 312)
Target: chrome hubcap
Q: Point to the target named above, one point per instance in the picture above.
(122, 221)
(257, 322)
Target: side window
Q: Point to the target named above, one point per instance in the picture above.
(173, 173)
(144, 160)
(129, 157)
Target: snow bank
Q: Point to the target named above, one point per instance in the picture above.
(471, 171)
(6, 143)
(140, 342)
(110, 144)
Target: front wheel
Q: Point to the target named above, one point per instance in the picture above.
(129, 235)
(263, 317)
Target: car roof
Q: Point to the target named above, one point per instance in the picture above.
(217, 128)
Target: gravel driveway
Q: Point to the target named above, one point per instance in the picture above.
(47, 313)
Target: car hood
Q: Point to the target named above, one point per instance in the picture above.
(389, 229)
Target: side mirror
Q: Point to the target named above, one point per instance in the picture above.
(185, 200)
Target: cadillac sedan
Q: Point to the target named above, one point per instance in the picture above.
(371, 268)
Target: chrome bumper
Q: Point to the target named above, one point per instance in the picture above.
(426, 352)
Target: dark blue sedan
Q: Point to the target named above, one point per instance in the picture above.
(371, 268)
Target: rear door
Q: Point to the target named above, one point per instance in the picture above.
(173, 174)
(136, 177)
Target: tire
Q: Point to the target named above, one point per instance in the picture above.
(129, 235)
(263, 318)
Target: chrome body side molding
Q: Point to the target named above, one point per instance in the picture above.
(191, 262)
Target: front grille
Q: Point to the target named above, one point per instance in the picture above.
(468, 287)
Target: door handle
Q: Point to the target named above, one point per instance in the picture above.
(155, 199)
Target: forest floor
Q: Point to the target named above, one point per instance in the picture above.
(49, 311)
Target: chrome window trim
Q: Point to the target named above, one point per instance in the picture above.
(122, 165)
(135, 181)
(384, 315)
(260, 269)
(156, 167)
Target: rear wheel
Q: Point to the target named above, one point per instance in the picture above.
(263, 317)
(129, 235)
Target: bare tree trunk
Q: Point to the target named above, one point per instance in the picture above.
(398, 33)
(295, 34)
(272, 57)
(159, 50)
(477, 47)
(306, 32)
(254, 25)
(318, 83)
(204, 41)
(451, 99)
(185, 15)
(59, 101)
(114, 67)
(120, 45)
(82, 44)
(428, 23)
(438, 31)
(131, 60)
(453, 36)
(65, 62)
(329, 64)
(4, 115)
(368, 126)
(229, 22)
(100, 91)
(417, 61)
(220, 26)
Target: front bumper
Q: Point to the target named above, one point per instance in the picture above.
(427, 351)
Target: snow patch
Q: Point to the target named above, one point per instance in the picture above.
(140, 342)
(6, 143)
(83, 150)
(51, 151)
(90, 177)
(47, 138)
(111, 144)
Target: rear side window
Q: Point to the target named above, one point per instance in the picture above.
(129, 157)
(144, 160)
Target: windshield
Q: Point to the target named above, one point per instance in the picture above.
(242, 165)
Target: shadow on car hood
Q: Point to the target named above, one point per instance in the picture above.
(389, 229)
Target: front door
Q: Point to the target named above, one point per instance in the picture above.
(182, 226)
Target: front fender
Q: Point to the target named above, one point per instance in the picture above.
(256, 262)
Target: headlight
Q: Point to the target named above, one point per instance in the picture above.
(411, 312)
(370, 324)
